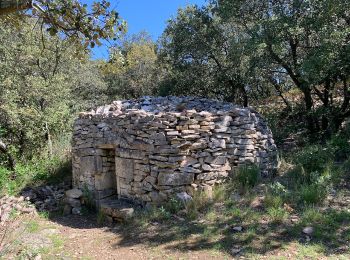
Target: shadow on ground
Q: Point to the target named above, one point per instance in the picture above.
(331, 235)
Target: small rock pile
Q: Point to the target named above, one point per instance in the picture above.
(46, 197)
(32, 200)
(73, 202)
(11, 205)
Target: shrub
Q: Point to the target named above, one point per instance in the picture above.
(314, 158)
(154, 213)
(248, 175)
(346, 167)
(37, 171)
(312, 194)
(340, 144)
(300, 176)
(161, 214)
(5, 178)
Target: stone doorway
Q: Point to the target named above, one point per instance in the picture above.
(105, 181)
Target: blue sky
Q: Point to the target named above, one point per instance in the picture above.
(148, 15)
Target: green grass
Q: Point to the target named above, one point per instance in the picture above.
(248, 176)
(35, 172)
(32, 226)
(277, 214)
(273, 201)
(312, 194)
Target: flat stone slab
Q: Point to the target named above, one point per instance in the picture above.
(119, 210)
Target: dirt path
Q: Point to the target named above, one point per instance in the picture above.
(78, 237)
(82, 238)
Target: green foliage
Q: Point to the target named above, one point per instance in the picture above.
(341, 145)
(42, 86)
(248, 176)
(314, 158)
(198, 204)
(221, 192)
(266, 48)
(88, 198)
(158, 214)
(32, 226)
(312, 194)
(277, 214)
(312, 215)
(312, 177)
(273, 201)
(212, 56)
(78, 21)
(131, 70)
(173, 206)
(277, 188)
(34, 172)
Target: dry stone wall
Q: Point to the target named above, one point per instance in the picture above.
(152, 148)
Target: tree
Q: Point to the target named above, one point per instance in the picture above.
(131, 70)
(72, 18)
(39, 98)
(205, 56)
(307, 41)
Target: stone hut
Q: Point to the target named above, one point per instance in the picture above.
(152, 148)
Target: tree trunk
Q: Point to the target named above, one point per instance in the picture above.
(308, 107)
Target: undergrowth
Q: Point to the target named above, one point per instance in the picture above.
(43, 169)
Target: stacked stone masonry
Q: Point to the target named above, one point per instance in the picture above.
(152, 148)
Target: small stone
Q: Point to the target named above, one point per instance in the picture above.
(308, 230)
(37, 257)
(237, 229)
(74, 193)
(184, 197)
(5, 216)
(235, 251)
(76, 211)
(294, 218)
(172, 133)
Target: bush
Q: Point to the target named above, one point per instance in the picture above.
(35, 172)
(340, 144)
(314, 158)
(312, 194)
(5, 177)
